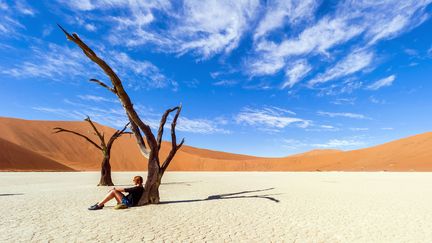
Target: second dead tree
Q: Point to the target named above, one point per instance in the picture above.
(105, 147)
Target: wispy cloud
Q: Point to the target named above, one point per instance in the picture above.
(295, 73)
(342, 114)
(95, 98)
(340, 143)
(54, 61)
(359, 129)
(23, 7)
(202, 27)
(202, 126)
(148, 74)
(225, 83)
(354, 62)
(271, 119)
(358, 23)
(388, 81)
(278, 12)
(344, 101)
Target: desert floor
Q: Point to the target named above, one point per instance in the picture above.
(237, 206)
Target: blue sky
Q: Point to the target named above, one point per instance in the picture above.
(266, 78)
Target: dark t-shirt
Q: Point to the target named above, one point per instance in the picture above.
(135, 194)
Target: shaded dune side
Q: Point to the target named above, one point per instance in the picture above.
(16, 158)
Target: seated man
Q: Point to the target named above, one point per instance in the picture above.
(129, 200)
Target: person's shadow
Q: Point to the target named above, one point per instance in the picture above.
(235, 195)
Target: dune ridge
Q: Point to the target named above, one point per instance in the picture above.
(29, 145)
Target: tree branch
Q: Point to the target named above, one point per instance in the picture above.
(162, 124)
(116, 135)
(103, 85)
(120, 92)
(174, 146)
(59, 129)
(139, 139)
(101, 136)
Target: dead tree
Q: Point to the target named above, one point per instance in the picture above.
(105, 147)
(156, 169)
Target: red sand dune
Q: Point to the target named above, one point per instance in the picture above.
(15, 158)
(31, 145)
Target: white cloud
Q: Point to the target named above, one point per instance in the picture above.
(9, 27)
(387, 128)
(148, 74)
(295, 73)
(342, 114)
(359, 129)
(265, 66)
(202, 27)
(269, 118)
(364, 23)
(52, 62)
(277, 12)
(339, 143)
(96, 98)
(354, 62)
(210, 27)
(202, 126)
(344, 101)
(84, 5)
(23, 7)
(225, 83)
(3, 6)
(388, 81)
(90, 27)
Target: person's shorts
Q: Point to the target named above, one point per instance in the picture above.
(126, 201)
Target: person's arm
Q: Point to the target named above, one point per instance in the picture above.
(119, 189)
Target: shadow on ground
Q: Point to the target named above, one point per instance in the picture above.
(11, 194)
(235, 195)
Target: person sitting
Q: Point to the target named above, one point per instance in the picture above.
(123, 201)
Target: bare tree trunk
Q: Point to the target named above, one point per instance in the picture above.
(105, 179)
(154, 177)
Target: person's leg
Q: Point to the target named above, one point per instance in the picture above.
(112, 194)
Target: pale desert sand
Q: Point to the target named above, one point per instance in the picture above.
(312, 207)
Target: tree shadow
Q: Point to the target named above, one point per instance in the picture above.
(187, 183)
(11, 194)
(234, 195)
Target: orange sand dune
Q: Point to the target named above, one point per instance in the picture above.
(16, 158)
(408, 154)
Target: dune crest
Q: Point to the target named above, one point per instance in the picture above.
(29, 145)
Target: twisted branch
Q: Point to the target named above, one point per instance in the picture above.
(59, 129)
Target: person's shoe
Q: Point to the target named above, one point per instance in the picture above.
(120, 206)
(95, 207)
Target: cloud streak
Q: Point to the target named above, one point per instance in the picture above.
(342, 114)
(271, 119)
(385, 82)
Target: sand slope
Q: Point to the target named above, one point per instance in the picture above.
(17, 158)
(409, 154)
